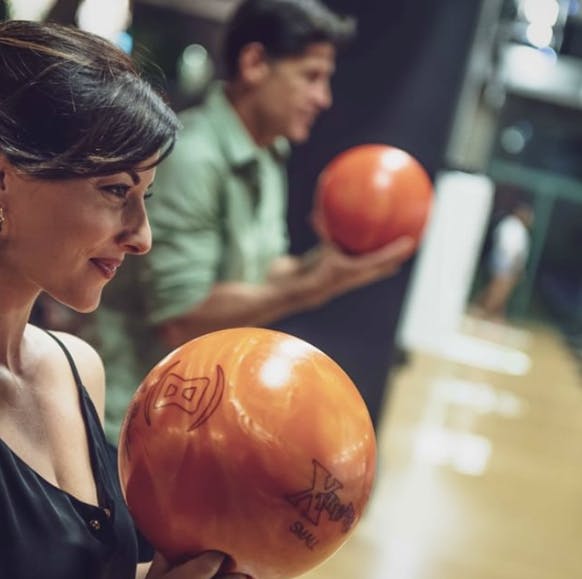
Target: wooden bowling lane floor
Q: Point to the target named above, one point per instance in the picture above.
(480, 473)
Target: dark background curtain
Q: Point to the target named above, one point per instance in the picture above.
(398, 84)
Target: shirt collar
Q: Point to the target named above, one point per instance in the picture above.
(238, 145)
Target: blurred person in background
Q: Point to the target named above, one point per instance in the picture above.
(506, 261)
(220, 253)
(81, 134)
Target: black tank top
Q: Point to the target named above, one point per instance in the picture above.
(47, 533)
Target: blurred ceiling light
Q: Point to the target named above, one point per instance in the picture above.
(29, 9)
(514, 139)
(107, 18)
(543, 12)
(195, 70)
(539, 35)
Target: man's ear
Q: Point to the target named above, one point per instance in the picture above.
(253, 63)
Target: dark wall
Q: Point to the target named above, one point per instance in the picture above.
(397, 84)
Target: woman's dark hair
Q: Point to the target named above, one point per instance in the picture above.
(73, 105)
(284, 28)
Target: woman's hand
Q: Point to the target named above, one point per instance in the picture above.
(204, 566)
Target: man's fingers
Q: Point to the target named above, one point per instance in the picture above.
(403, 246)
(393, 253)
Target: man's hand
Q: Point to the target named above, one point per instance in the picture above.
(330, 272)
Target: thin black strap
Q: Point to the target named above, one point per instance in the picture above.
(87, 410)
(69, 358)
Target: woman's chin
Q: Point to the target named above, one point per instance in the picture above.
(83, 306)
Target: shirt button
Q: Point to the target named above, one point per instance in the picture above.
(95, 524)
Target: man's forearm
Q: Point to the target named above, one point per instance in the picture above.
(293, 285)
(236, 304)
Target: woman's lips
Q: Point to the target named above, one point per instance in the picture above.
(107, 266)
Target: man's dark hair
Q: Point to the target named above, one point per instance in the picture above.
(284, 28)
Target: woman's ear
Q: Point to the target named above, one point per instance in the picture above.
(2, 172)
(6, 169)
(2, 189)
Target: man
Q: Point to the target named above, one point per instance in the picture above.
(219, 257)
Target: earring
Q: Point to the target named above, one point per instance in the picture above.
(2, 218)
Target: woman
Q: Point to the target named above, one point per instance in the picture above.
(80, 136)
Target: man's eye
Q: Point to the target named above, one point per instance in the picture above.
(119, 191)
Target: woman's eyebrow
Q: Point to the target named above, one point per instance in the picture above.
(134, 176)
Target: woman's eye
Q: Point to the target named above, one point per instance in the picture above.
(119, 191)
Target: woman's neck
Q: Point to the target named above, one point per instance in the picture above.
(15, 311)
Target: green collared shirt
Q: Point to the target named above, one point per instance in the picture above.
(218, 213)
(218, 210)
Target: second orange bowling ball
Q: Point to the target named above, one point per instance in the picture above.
(369, 195)
(251, 442)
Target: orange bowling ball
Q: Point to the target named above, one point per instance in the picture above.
(370, 195)
(251, 442)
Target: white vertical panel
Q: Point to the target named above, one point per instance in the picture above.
(447, 261)
(443, 275)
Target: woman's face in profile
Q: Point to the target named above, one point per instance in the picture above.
(68, 237)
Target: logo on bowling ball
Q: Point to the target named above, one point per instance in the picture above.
(321, 497)
(199, 397)
(132, 413)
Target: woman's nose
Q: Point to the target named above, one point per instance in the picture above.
(137, 236)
